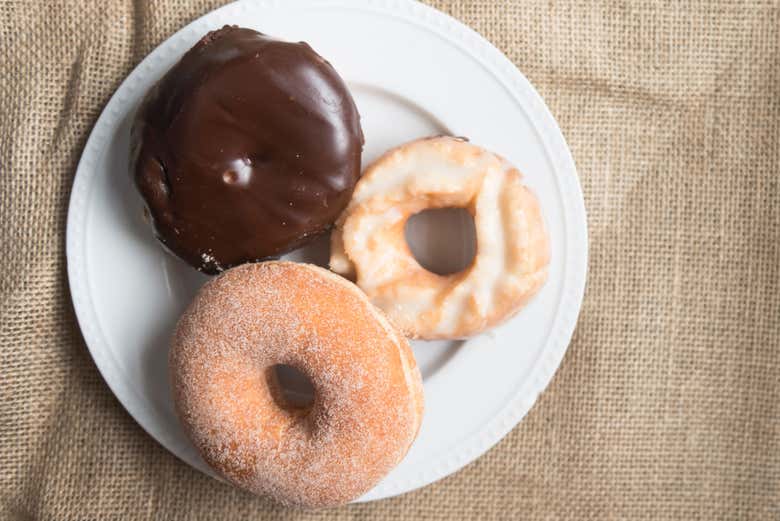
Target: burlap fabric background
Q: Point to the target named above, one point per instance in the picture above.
(667, 404)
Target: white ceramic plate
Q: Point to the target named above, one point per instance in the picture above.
(413, 72)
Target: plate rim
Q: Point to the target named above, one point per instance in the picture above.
(542, 121)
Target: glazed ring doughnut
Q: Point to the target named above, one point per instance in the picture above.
(368, 399)
(512, 251)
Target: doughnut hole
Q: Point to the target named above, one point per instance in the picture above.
(291, 389)
(442, 240)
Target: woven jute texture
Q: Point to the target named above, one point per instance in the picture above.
(667, 405)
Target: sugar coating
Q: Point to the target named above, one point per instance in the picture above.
(512, 255)
(368, 390)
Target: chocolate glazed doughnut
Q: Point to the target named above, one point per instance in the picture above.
(246, 149)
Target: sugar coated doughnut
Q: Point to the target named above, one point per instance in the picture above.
(368, 400)
(512, 251)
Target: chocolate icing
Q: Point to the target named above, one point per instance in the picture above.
(246, 149)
